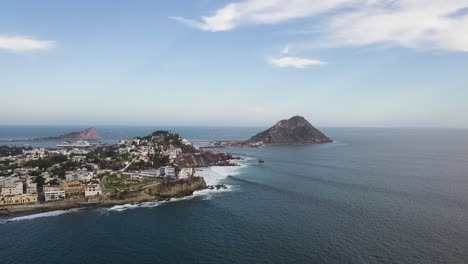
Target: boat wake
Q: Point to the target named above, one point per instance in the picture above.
(40, 215)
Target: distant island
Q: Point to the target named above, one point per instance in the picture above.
(87, 134)
(294, 131)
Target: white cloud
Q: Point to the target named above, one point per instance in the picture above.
(23, 43)
(422, 24)
(295, 62)
(260, 12)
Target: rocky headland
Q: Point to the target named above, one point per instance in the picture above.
(87, 134)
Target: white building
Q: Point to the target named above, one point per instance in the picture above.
(12, 188)
(53, 193)
(79, 175)
(78, 159)
(168, 172)
(185, 173)
(92, 190)
(144, 174)
(31, 187)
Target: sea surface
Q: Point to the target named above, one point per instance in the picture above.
(373, 196)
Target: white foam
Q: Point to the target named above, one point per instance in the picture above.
(205, 194)
(41, 215)
(213, 176)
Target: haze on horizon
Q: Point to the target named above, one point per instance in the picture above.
(384, 63)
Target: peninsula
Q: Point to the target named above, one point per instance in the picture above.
(159, 166)
(294, 131)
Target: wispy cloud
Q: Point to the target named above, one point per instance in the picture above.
(295, 62)
(408, 23)
(16, 43)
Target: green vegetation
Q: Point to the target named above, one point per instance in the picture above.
(46, 163)
(116, 181)
(39, 180)
(6, 151)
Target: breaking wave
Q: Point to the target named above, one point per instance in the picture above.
(213, 176)
(40, 215)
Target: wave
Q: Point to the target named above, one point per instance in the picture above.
(213, 175)
(40, 215)
(205, 194)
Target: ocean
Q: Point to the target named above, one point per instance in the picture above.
(375, 195)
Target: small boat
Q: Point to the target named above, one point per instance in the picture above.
(261, 161)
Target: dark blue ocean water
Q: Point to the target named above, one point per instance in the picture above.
(374, 196)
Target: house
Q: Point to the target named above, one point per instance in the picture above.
(73, 189)
(78, 159)
(168, 172)
(18, 199)
(92, 190)
(185, 173)
(31, 188)
(79, 175)
(144, 174)
(53, 193)
(12, 188)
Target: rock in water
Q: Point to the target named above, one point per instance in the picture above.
(88, 134)
(296, 130)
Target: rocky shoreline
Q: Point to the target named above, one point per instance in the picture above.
(155, 192)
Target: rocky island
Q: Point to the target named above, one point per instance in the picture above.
(294, 131)
(87, 134)
(159, 166)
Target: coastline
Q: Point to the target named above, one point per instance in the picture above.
(150, 193)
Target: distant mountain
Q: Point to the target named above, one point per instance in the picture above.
(296, 130)
(87, 134)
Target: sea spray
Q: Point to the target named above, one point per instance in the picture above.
(213, 175)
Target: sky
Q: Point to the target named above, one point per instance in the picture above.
(339, 63)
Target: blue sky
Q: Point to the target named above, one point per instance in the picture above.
(399, 63)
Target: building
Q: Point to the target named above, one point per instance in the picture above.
(92, 190)
(31, 188)
(53, 193)
(12, 188)
(79, 175)
(185, 173)
(144, 174)
(78, 159)
(73, 189)
(168, 172)
(18, 199)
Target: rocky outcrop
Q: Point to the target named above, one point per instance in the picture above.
(202, 159)
(87, 134)
(177, 189)
(296, 130)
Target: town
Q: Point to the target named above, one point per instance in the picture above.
(86, 173)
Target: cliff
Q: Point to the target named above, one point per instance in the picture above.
(202, 159)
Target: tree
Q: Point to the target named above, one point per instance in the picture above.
(39, 180)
